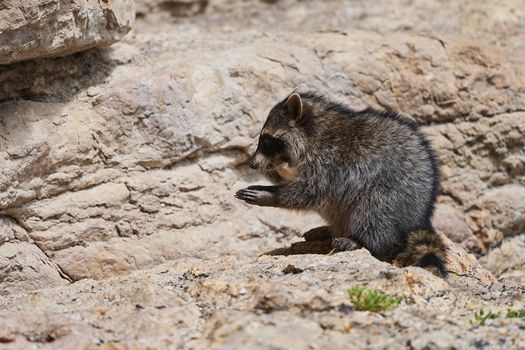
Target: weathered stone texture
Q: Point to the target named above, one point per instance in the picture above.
(157, 151)
(234, 302)
(125, 160)
(32, 29)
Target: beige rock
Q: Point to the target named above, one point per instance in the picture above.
(499, 213)
(462, 268)
(175, 8)
(119, 160)
(141, 168)
(451, 221)
(47, 28)
(11, 232)
(234, 302)
(508, 259)
(125, 160)
(23, 266)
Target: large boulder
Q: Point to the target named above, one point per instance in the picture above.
(46, 28)
(152, 156)
(119, 159)
(124, 161)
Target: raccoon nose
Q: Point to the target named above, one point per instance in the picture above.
(252, 164)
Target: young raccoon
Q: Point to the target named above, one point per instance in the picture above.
(371, 175)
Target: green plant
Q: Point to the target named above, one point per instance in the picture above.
(515, 313)
(372, 300)
(481, 316)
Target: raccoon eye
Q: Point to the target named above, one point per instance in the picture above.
(271, 146)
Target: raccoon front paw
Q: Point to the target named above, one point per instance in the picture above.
(344, 244)
(256, 195)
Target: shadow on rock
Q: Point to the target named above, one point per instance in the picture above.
(55, 79)
(464, 271)
(303, 247)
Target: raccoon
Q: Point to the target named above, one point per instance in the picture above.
(372, 175)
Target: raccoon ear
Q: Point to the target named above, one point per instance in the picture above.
(294, 106)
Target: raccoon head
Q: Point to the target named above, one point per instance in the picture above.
(281, 141)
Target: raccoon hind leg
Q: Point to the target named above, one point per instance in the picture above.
(345, 244)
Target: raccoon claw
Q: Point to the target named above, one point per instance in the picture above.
(256, 196)
(344, 244)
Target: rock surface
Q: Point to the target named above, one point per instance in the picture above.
(507, 260)
(235, 302)
(32, 29)
(170, 8)
(125, 159)
(91, 174)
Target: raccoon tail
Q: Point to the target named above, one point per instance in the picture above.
(424, 248)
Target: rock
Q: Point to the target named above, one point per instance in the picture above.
(58, 80)
(131, 134)
(119, 167)
(137, 166)
(499, 213)
(11, 232)
(175, 8)
(508, 259)
(48, 28)
(451, 221)
(462, 268)
(477, 181)
(249, 302)
(23, 266)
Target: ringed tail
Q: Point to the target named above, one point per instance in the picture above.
(424, 248)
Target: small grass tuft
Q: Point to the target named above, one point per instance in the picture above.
(372, 300)
(481, 316)
(515, 313)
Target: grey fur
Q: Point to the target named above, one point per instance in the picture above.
(371, 175)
